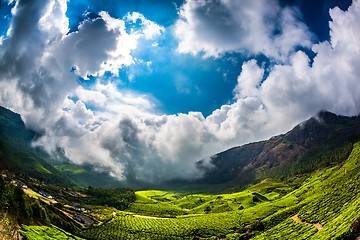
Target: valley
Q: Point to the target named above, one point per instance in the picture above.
(325, 205)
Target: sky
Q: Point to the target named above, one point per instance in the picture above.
(145, 89)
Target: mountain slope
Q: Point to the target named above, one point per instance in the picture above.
(13, 130)
(25, 162)
(321, 141)
(17, 154)
(328, 201)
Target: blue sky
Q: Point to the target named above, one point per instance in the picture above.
(188, 82)
(181, 82)
(154, 86)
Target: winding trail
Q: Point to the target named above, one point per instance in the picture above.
(297, 219)
(113, 217)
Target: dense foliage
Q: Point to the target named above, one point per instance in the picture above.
(28, 210)
(119, 198)
(14, 200)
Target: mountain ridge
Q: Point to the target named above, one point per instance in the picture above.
(253, 162)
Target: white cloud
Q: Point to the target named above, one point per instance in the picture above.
(249, 80)
(214, 27)
(99, 45)
(53, 20)
(93, 97)
(121, 55)
(297, 90)
(149, 29)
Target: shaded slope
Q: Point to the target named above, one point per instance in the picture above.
(25, 162)
(16, 154)
(13, 130)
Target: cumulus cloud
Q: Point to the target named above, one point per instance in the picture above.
(214, 27)
(121, 132)
(149, 28)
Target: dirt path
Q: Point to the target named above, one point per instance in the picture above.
(297, 219)
(113, 217)
(318, 226)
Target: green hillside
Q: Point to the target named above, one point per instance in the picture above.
(27, 163)
(17, 155)
(324, 206)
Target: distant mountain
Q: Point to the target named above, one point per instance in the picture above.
(13, 130)
(17, 155)
(324, 140)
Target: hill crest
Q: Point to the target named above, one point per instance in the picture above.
(285, 155)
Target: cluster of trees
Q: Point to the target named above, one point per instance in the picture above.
(14, 201)
(28, 210)
(120, 198)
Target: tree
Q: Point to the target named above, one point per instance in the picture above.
(23, 209)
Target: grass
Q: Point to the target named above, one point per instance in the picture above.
(224, 216)
(46, 233)
(71, 169)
